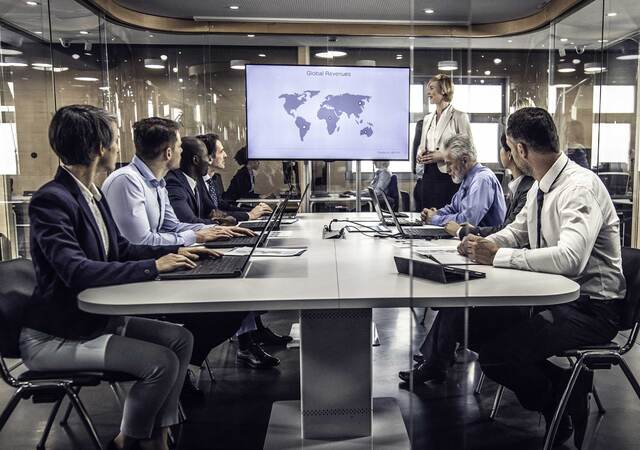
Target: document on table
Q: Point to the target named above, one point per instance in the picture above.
(281, 234)
(444, 255)
(267, 251)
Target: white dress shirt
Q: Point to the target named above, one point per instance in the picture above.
(192, 183)
(580, 237)
(513, 185)
(92, 195)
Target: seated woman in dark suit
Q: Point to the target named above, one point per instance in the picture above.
(76, 245)
(242, 183)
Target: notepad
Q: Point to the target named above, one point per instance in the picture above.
(267, 251)
(444, 255)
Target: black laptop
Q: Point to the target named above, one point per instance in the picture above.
(248, 241)
(288, 214)
(415, 232)
(228, 266)
(383, 215)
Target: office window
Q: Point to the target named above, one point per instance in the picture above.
(477, 99)
(485, 139)
(615, 99)
(611, 142)
(416, 98)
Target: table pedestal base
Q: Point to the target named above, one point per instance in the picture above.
(388, 430)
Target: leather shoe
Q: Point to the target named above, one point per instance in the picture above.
(189, 388)
(268, 337)
(565, 427)
(422, 374)
(254, 356)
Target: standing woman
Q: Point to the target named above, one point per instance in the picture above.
(437, 128)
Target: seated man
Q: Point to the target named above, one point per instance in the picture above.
(76, 245)
(572, 229)
(218, 157)
(516, 197)
(480, 200)
(438, 348)
(243, 182)
(381, 182)
(140, 203)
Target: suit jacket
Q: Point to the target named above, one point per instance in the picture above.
(68, 257)
(240, 186)
(515, 205)
(187, 207)
(230, 208)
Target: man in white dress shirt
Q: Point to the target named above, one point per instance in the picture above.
(568, 226)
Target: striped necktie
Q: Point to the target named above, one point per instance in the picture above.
(213, 191)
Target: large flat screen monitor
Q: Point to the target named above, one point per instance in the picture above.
(327, 112)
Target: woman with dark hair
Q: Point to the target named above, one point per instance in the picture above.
(76, 245)
(243, 182)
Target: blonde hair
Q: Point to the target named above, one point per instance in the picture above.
(445, 84)
(524, 102)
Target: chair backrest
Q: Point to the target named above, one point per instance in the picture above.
(394, 192)
(18, 282)
(631, 270)
(405, 201)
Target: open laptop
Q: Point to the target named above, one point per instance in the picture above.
(259, 224)
(292, 213)
(435, 271)
(430, 232)
(228, 266)
(385, 219)
(247, 241)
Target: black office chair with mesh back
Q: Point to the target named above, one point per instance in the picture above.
(18, 282)
(603, 357)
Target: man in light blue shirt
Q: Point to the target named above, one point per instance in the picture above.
(480, 200)
(139, 201)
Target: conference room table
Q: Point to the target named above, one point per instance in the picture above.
(334, 284)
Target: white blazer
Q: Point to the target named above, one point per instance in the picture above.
(451, 122)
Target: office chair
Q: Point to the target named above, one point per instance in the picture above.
(598, 357)
(394, 192)
(40, 386)
(405, 201)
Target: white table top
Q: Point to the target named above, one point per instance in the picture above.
(356, 272)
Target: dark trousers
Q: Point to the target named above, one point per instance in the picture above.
(209, 330)
(437, 188)
(438, 347)
(516, 355)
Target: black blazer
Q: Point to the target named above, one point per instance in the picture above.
(68, 257)
(240, 186)
(188, 209)
(515, 205)
(230, 208)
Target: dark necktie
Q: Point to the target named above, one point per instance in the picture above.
(213, 191)
(197, 195)
(540, 199)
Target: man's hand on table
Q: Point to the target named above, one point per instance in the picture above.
(478, 249)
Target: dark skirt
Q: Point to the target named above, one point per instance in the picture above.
(437, 188)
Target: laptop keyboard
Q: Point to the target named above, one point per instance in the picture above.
(241, 240)
(425, 232)
(226, 264)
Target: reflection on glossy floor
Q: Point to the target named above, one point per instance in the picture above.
(236, 410)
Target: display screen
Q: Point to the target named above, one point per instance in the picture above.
(327, 112)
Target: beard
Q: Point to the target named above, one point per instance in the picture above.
(456, 179)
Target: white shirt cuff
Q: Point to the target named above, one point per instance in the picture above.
(189, 237)
(504, 257)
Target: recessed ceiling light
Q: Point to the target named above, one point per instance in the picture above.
(163, 57)
(563, 39)
(234, 7)
(487, 72)
(329, 54)
(12, 62)
(262, 55)
(566, 68)
(481, 81)
(238, 64)
(562, 85)
(174, 70)
(75, 56)
(180, 80)
(612, 14)
(399, 57)
(32, 3)
(43, 65)
(151, 35)
(603, 41)
(572, 43)
(230, 89)
(447, 66)
(85, 78)
(84, 32)
(9, 52)
(594, 67)
(628, 57)
(104, 88)
(155, 64)
(429, 11)
(576, 61)
(509, 41)
(497, 61)
(38, 32)
(251, 35)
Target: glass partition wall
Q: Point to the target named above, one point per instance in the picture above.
(583, 68)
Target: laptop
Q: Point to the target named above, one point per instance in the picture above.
(434, 271)
(247, 241)
(415, 232)
(229, 266)
(387, 220)
(259, 224)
